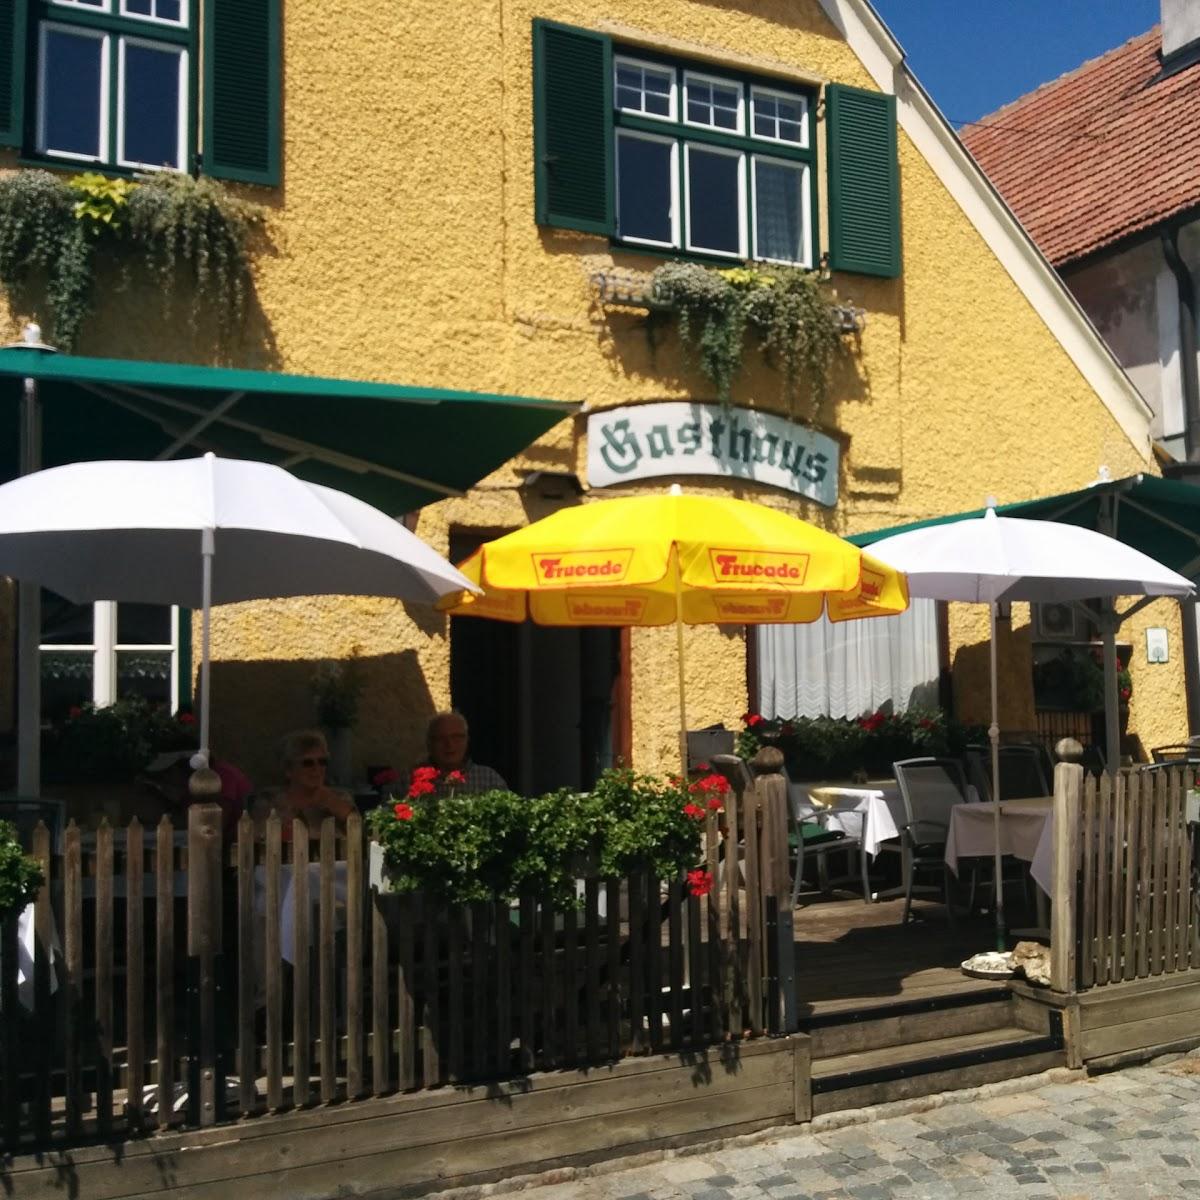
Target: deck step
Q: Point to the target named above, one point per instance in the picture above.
(838, 1029)
(900, 1072)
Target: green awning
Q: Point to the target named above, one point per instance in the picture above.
(1159, 517)
(395, 447)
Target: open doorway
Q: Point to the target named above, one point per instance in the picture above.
(548, 708)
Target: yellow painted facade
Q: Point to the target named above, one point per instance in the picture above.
(405, 249)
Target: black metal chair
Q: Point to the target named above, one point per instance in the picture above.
(26, 811)
(930, 788)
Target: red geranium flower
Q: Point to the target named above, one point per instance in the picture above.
(700, 882)
(455, 777)
(694, 811)
(710, 783)
(74, 711)
(751, 719)
(420, 787)
(384, 777)
(186, 718)
(403, 811)
(425, 774)
(703, 768)
(714, 802)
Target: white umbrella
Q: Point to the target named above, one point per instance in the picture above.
(204, 531)
(991, 559)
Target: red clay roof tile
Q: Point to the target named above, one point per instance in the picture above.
(1099, 154)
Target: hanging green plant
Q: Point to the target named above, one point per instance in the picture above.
(787, 308)
(191, 234)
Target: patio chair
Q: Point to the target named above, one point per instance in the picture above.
(809, 837)
(1022, 771)
(929, 787)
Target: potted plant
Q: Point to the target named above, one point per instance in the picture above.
(20, 875)
(337, 686)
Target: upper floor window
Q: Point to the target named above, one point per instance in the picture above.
(118, 84)
(689, 158)
(113, 82)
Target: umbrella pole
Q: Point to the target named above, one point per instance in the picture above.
(206, 553)
(1112, 720)
(683, 751)
(29, 623)
(994, 739)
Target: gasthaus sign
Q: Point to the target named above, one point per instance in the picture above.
(677, 438)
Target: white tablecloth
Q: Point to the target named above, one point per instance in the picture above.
(287, 902)
(26, 945)
(1026, 832)
(875, 810)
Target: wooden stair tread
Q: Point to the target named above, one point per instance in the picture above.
(915, 1052)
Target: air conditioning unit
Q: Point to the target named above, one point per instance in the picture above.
(1057, 623)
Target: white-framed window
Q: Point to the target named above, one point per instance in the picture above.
(104, 652)
(647, 189)
(781, 196)
(644, 88)
(713, 102)
(779, 116)
(715, 189)
(145, 48)
(73, 65)
(152, 92)
(711, 164)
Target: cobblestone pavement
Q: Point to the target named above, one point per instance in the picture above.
(1130, 1134)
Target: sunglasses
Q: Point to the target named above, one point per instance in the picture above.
(314, 762)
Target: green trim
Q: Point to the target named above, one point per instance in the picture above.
(572, 137)
(744, 143)
(13, 50)
(116, 26)
(183, 694)
(269, 171)
(123, 372)
(864, 182)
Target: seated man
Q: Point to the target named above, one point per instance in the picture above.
(446, 741)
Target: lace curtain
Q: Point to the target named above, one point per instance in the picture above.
(850, 668)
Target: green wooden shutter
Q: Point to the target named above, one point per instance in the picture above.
(572, 124)
(13, 47)
(241, 90)
(864, 182)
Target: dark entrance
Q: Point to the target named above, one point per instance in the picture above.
(547, 707)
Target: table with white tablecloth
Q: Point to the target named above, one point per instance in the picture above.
(1026, 832)
(874, 811)
(287, 901)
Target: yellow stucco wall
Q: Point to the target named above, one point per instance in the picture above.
(406, 249)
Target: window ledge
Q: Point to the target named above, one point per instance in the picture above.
(621, 288)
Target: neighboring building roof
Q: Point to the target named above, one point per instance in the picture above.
(1097, 155)
(982, 204)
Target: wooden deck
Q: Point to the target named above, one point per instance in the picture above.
(851, 954)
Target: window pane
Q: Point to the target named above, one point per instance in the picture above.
(65, 623)
(161, 10)
(779, 118)
(66, 682)
(72, 76)
(150, 106)
(779, 211)
(644, 89)
(714, 212)
(714, 104)
(143, 624)
(644, 189)
(139, 8)
(144, 673)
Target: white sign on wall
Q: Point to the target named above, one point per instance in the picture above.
(676, 438)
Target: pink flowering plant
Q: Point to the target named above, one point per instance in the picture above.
(497, 846)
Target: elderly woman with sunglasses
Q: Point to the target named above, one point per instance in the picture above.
(305, 796)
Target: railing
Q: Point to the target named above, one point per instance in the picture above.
(1125, 900)
(177, 981)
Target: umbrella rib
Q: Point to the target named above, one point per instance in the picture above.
(335, 458)
(172, 428)
(188, 436)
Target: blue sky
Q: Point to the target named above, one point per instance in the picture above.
(975, 55)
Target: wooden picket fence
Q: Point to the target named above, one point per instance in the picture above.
(1138, 913)
(178, 981)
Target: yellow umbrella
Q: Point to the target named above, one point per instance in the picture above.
(658, 560)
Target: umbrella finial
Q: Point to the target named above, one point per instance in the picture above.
(1103, 474)
(31, 339)
(990, 502)
(675, 490)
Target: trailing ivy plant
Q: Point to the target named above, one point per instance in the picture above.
(190, 234)
(787, 308)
